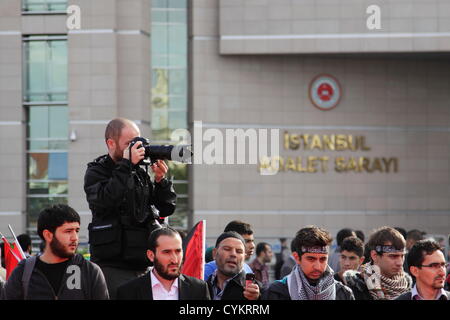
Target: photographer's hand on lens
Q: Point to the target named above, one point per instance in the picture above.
(160, 169)
(137, 153)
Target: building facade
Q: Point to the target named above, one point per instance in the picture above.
(366, 147)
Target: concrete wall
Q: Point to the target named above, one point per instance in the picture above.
(399, 103)
(332, 26)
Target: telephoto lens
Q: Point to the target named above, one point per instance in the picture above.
(180, 153)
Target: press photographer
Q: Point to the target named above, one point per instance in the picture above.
(125, 204)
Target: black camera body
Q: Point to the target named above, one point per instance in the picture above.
(154, 153)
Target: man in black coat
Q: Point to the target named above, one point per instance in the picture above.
(165, 281)
(427, 265)
(228, 281)
(311, 278)
(125, 204)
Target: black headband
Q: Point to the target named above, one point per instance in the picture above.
(314, 249)
(388, 249)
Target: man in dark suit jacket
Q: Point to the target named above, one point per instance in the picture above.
(164, 281)
(427, 265)
(228, 280)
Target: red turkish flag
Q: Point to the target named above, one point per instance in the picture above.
(12, 256)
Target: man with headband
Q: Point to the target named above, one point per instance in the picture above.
(383, 278)
(311, 278)
(228, 281)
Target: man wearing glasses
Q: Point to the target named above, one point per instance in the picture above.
(427, 265)
(383, 277)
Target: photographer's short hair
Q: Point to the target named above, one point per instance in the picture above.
(311, 236)
(353, 244)
(54, 217)
(239, 227)
(383, 235)
(152, 243)
(261, 247)
(416, 254)
(115, 126)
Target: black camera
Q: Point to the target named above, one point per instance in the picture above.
(179, 153)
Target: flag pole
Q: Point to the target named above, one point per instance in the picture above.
(204, 248)
(17, 242)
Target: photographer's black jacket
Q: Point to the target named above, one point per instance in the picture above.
(115, 237)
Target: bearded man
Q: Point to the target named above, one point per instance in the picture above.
(164, 281)
(59, 273)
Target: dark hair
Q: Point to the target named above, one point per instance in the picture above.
(115, 126)
(402, 231)
(416, 254)
(24, 241)
(344, 233)
(415, 235)
(386, 234)
(239, 227)
(152, 243)
(261, 247)
(54, 217)
(360, 235)
(229, 234)
(311, 236)
(353, 244)
(293, 248)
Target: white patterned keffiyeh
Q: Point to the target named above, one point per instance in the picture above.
(301, 289)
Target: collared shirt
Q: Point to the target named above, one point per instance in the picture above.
(415, 295)
(160, 293)
(261, 271)
(216, 290)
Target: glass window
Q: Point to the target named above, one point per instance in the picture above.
(46, 70)
(47, 166)
(177, 4)
(44, 5)
(48, 128)
(177, 120)
(159, 39)
(177, 82)
(177, 39)
(169, 88)
(177, 16)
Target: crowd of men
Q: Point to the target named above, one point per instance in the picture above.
(60, 273)
(136, 256)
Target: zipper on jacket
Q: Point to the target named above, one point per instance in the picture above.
(48, 282)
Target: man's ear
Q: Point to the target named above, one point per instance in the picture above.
(214, 252)
(48, 236)
(374, 256)
(111, 144)
(414, 270)
(150, 255)
(361, 260)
